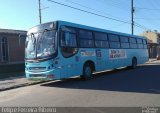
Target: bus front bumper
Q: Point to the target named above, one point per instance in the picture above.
(46, 75)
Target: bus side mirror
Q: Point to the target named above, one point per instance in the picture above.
(20, 38)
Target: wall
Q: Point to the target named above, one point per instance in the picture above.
(151, 36)
(15, 50)
(154, 43)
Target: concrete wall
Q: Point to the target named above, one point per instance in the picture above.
(15, 51)
(151, 36)
(154, 43)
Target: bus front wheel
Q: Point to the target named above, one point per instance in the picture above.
(87, 72)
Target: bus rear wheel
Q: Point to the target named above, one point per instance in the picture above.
(87, 72)
(134, 63)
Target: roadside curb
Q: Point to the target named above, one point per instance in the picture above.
(21, 85)
(153, 60)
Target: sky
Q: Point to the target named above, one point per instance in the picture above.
(23, 14)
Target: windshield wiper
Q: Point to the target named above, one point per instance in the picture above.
(33, 38)
(34, 42)
(41, 37)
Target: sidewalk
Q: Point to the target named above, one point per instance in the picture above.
(15, 82)
(152, 59)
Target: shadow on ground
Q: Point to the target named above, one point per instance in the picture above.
(143, 79)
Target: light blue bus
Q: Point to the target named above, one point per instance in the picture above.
(59, 49)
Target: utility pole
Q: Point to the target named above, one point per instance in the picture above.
(40, 17)
(132, 16)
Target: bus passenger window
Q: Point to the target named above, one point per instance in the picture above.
(86, 39)
(145, 43)
(101, 40)
(140, 43)
(133, 43)
(114, 41)
(124, 42)
(68, 44)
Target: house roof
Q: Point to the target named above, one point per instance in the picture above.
(11, 31)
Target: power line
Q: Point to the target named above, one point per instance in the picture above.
(84, 6)
(143, 16)
(153, 4)
(143, 13)
(87, 7)
(88, 12)
(92, 9)
(118, 25)
(147, 8)
(141, 26)
(118, 5)
(148, 19)
(132, 10)
(103, 16)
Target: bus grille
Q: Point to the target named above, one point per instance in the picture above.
(38, 76)
(37, 68)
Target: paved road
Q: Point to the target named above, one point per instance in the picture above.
(123, 87)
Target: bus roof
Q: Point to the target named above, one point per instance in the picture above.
(95, 29)
(60, 22)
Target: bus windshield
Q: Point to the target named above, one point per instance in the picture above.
(40, 45)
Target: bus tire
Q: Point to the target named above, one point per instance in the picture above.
(134, 63)
(87, 72)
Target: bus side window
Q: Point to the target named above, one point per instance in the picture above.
(124, 42)
(68, 44)
(101, 40)
(114, 41)
(86, 39)
(133, 43)
(140, 43)
(145, 43)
